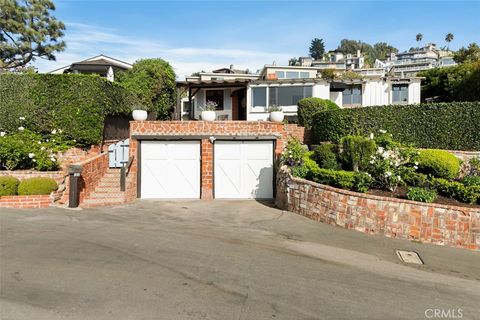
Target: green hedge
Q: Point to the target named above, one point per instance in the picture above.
(36, 186)
(454, 126)
(8, 185)
(75, 104)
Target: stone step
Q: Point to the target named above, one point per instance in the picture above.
(100, 202)
(106, 195)
(106, 189)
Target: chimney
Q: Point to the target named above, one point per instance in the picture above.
(231, 67)
(358, 53)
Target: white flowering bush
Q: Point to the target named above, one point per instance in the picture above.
(28, 150)
(294, 153)
(390, 160)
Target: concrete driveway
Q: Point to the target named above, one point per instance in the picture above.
(219, 260)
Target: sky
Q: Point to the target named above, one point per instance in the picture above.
(207, 35)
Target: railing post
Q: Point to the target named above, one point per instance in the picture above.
(74, 172)
(123, 172)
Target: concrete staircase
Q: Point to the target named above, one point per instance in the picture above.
(107, 191)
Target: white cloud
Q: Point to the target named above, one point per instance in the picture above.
(84, 41)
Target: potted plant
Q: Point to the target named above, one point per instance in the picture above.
(208, 111)
(139, 113)
(276, 113)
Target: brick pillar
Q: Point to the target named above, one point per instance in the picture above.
(207, 170)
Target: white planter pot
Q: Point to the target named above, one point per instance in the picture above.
(277, 116)
(208, 115)
(139, 115)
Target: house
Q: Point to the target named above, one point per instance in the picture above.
(245, 96)
(101, 64)
(409, 63)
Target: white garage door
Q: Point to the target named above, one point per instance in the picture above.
(243, 169)
(170, 169)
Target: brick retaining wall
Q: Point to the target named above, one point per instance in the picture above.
(396, 218)
(23, 202)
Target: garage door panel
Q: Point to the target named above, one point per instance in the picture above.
(249, 175)
(170, 169)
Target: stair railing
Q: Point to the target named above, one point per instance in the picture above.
(124, 171)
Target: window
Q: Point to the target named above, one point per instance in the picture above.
(280, 74)
(292, 75)
(288, 96)
(352, 95)
(215, 96)
(304, 75)
(259, 97)
(400, 93)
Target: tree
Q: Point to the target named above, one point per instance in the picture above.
(27, 32)
(448, 39)
(470, 54)
(317, 48)
(456, 83)
(351, 46)
(382, 50)
(293, 62)
(153, 81)
(419, 37)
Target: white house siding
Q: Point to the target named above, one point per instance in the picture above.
(375, 93)
(414, 92)
(337, 97)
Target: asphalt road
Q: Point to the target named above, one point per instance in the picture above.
(219, 260)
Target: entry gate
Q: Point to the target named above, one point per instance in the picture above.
(118, 154)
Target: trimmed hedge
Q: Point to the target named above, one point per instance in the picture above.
(75, 104)
(438, 163)
(453, 126)
(308, 107)
(37, 186)
(8, 185)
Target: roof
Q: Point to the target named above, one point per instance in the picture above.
(214, 83)
(98, 60)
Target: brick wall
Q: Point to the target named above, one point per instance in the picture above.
(396, 218)
(94, 169)
(206, 129)
(23, 202)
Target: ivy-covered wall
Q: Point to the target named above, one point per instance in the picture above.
(75, 104)
(452, 126)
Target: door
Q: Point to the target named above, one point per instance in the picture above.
(118, 154)
(243, 169)
(170, 169)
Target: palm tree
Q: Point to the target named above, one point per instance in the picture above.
(448, 38)
(419, 37)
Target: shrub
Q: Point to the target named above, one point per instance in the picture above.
(452, 126)
(326, 157)
(422, 195)
(8, 186)
(308, 107)
(457, 190)
(27, 150)
(293, 153)
(153, 82)
(356, 152)
(358, 181)
(76, 104)
(305, 169)
(471, 181)
(439, 163)
(37, 186)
